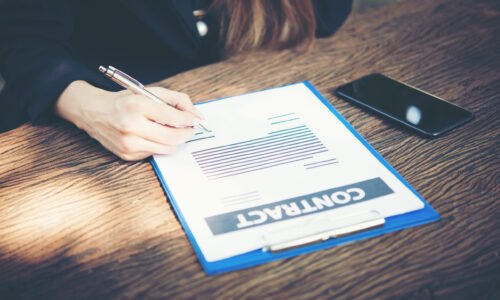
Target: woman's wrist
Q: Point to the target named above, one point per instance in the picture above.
(77, 99)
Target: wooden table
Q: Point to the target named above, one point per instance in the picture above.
(76, 222)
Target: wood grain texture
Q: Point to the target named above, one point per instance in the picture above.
(78, 223)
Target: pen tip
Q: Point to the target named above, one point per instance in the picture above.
(102, 69)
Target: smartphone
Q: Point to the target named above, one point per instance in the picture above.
(417, 110)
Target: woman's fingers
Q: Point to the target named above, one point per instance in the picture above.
(134, 127)
(139, 135)
(138, 105)
(170, 116)
(132, 147)
(128, 124)
(161, 134)
(178, 100)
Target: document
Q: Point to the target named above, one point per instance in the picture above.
(273, 160)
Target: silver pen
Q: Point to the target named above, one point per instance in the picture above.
(134, 86)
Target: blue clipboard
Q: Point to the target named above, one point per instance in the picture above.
(257, 257)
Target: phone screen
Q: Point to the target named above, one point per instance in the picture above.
(418, 110)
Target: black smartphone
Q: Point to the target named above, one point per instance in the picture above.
(422, 112)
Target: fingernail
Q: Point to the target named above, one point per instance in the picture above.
(199, 114)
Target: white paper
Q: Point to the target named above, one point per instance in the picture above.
(265, 148)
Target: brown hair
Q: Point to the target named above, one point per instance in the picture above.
(270, 24)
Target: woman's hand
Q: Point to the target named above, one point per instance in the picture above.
(128, 124)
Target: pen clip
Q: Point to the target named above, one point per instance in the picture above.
(126, 76)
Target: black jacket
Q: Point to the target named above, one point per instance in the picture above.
(45, 45)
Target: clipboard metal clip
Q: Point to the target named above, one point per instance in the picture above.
(321, 229)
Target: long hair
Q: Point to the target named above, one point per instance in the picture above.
(265, 24)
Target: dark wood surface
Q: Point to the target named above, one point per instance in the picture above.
(76, 222)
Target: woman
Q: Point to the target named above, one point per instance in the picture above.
(50, 51)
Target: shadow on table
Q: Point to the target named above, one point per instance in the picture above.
(58, 277)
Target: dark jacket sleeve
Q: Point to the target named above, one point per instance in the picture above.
(330, 15)
(36, 59)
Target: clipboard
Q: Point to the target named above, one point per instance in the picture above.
(357, 227)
